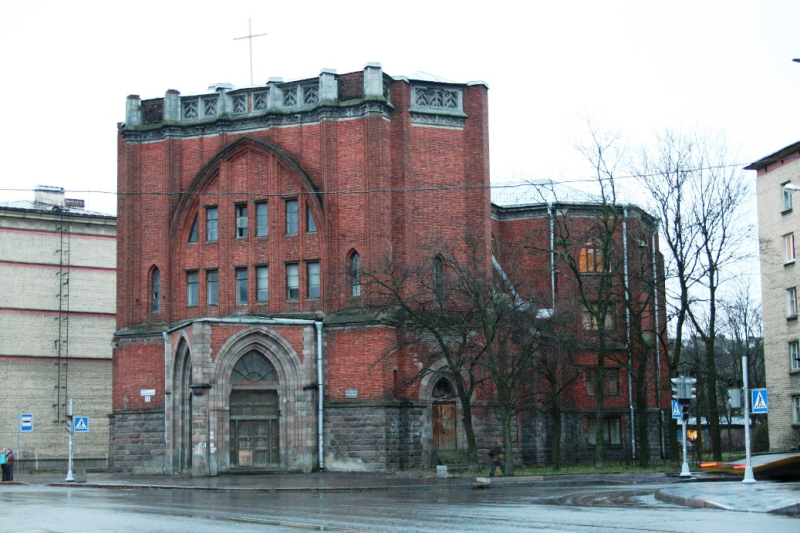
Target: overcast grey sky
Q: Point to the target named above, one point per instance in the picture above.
(631, 66)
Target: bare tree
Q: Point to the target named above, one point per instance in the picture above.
(436, 326)
(585, 247)
(700, 198)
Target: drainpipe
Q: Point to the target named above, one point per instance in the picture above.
(166, 373)
(628, 327)
(552, 256)
(320, 398)
(273, 321)
(656, 339)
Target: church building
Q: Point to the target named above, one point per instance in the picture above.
(246, 218)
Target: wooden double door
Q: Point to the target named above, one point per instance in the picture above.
(254, 430)
(443, 419)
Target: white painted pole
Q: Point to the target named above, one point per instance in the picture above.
(70, 477)
(685, 467)
(748, 470)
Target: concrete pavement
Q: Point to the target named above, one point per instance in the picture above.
(717, 492)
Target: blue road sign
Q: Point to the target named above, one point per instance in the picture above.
(81, 424)
(26, 422)
(759, 401)
(676, 409)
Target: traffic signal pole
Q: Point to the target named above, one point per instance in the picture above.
(685, 467)
(748, 470)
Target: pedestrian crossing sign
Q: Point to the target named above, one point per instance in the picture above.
(759, 401)
(676, 409)
(81, 424)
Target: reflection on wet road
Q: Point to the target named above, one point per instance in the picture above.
(603, 509)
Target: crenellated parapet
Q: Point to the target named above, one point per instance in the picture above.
(224, 108)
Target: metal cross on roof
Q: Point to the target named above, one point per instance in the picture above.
(250, 38)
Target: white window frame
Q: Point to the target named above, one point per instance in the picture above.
(192, 289)
(262, 284)
(292, 281)
(794, 355)
(212, 287)
(313, 280)
(788, 248)
(292, 217)
(241, 221)
(262, 219)
(212, 223)
(242, 286)
(787, 196)
(795, 409)
(791, 302)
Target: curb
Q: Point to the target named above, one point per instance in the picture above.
(689, 502)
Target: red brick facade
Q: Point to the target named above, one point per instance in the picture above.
(222, 187)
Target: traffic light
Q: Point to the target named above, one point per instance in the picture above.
(677, 388)
(70, 428)
(690, 392)
(685, 411)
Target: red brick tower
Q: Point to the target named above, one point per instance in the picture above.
(243, 214)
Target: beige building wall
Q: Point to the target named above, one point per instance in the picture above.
(30, 241)
(778, 274)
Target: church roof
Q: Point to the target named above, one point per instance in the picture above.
(538, 192)
(424, 76)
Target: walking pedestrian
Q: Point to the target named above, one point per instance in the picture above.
(3, 465)
(10, 458)
(498, 456)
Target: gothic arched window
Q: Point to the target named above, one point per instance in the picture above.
(442, 390)
(253, 366)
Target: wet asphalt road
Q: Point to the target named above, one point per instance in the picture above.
(583, 509)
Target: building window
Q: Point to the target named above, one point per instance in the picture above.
(292, 282)
(791, 302)
(611, 431)
(193, 231)
(590, 259)
(241, 285)
(796, 409)
(155, 284)
(788, 248)
(291, 217)
(212, 288)
(241, 221)
(354, 272)
(212, 224)
(262, 284)
(311, 224)
(313, 280)
(787, 197)
(262, 222)
(438, 281)
(611, 382)
(589, 319)
(443, 390)
(794, 355)
(191, 289)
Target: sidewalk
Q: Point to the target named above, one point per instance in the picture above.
(700, 491)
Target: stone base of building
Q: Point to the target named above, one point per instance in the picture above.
(137, 444)
(381, 436)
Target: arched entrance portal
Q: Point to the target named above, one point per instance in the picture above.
(254, 412)
(182, 422)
